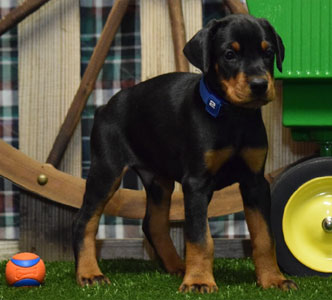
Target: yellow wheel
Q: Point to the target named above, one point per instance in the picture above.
(301, 217)
(307, 224)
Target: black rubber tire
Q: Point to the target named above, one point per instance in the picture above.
(281, 190)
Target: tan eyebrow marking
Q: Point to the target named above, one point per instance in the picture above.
(236, 46)
(264, 45)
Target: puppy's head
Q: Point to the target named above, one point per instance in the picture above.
(239, 52)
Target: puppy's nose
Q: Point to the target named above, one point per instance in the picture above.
(258, 86)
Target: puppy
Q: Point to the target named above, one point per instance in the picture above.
(204, 131)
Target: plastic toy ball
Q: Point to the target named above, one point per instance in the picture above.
(25, 269)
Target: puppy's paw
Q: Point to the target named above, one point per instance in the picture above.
(198, 286)
(288, 285)
(278, 282)
(89, 280)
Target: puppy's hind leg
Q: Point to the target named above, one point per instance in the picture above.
(102, 182)
(156, 222)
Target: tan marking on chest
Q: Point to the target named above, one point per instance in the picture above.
(254, 158)
(214, 159)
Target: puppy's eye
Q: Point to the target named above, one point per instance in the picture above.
(230, 54)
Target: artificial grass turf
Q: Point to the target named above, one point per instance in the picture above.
(144, 280)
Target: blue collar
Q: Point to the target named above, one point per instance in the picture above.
(213, 103)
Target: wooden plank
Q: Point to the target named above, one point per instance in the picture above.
(49, 72)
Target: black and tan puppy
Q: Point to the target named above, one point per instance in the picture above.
(204, 131)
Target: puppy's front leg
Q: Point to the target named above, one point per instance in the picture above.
(257, 199)
(199, 244)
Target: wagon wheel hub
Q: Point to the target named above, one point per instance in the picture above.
(327, 224)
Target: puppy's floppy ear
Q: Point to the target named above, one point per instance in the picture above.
(280, 49)
(198, 49)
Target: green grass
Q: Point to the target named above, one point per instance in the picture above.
(144, 280)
